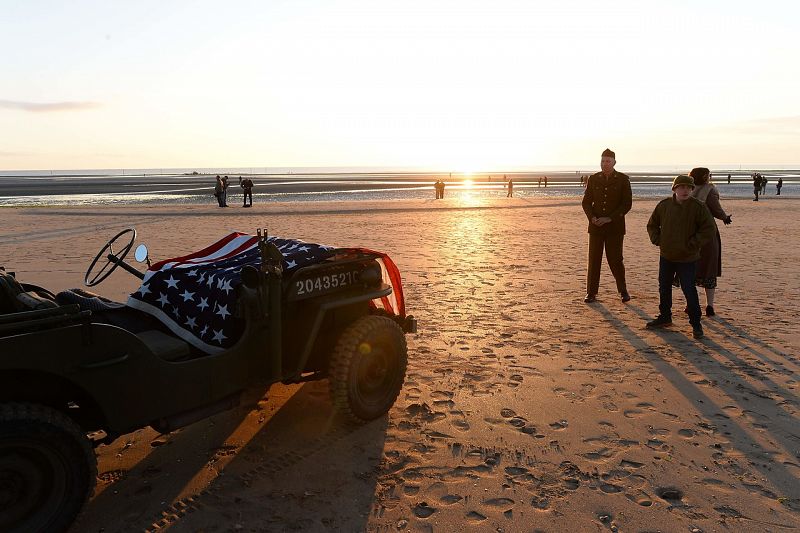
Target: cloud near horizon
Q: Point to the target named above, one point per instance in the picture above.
(47, 107)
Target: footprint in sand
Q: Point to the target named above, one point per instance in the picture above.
(498, 502)
(412, 393)
(672, 495)
(515, 471)
(460, 421)
(686, 433)
(610, 488)
(423, 510)
(540, 503)
(450, 499)
(515, 380)
(410, 489)
(474, 516)
(507, 413)
(559, 425)
(599, 455)
(642, 499)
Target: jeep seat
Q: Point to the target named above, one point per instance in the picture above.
(14, 298)
(165, 346)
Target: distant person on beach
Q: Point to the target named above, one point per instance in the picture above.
(545, 181)
(756, 186)
(540, 182)
(729, 179)
(225, 191)
(606, 201)
(438, 188)
(510, 185)
(709, 267)
(218, 190)
(680, 225)
(763, 185)
(247, 188)
(779, 185)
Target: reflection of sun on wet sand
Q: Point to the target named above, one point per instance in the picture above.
(523, 407)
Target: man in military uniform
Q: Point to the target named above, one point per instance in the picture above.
(606, 201)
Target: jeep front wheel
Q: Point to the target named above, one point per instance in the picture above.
(368, 367)
(47, 468)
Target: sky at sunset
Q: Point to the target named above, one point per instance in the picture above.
(447, 85)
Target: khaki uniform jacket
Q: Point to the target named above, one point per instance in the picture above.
(608, 198)
(680, 230)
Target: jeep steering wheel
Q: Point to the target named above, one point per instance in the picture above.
(112, 260)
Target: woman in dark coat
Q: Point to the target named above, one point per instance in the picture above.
(709, 268)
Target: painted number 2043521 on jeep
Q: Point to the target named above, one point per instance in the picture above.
(314, 282)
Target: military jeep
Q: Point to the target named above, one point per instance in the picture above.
(78, 370)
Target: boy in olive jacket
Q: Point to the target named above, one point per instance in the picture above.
(679, 226)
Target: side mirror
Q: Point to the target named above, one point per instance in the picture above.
(141, 253)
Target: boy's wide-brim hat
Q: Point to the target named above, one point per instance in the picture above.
(683, 179)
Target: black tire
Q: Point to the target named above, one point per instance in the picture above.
(367, 368)
(48, 469)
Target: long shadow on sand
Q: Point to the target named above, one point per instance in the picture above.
(171, 461)
(302, 470)
(736, 333)
(776, 472)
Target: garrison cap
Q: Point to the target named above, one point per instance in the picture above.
(608, 153)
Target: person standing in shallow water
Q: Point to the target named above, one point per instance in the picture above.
(756, 186)
(218, 189)
(247, 191)
(510, 193)
(606, 201)
(709, 267)
(779, 185)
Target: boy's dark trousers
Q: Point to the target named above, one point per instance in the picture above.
(686, 274)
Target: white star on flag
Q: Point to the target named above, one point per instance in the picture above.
(226, 286)
(219, 337)
(144, 289)
(291, 264)
(203, 303)
(171, 283)
(190, 321)
(163, 300)
(222, 310)
(187, 296)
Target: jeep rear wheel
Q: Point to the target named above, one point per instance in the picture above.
(368, 367)
(47, 468)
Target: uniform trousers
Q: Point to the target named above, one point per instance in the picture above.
(612, 243)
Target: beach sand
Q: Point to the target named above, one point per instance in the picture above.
(524, 409)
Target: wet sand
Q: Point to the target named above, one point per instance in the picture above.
(523, 409)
